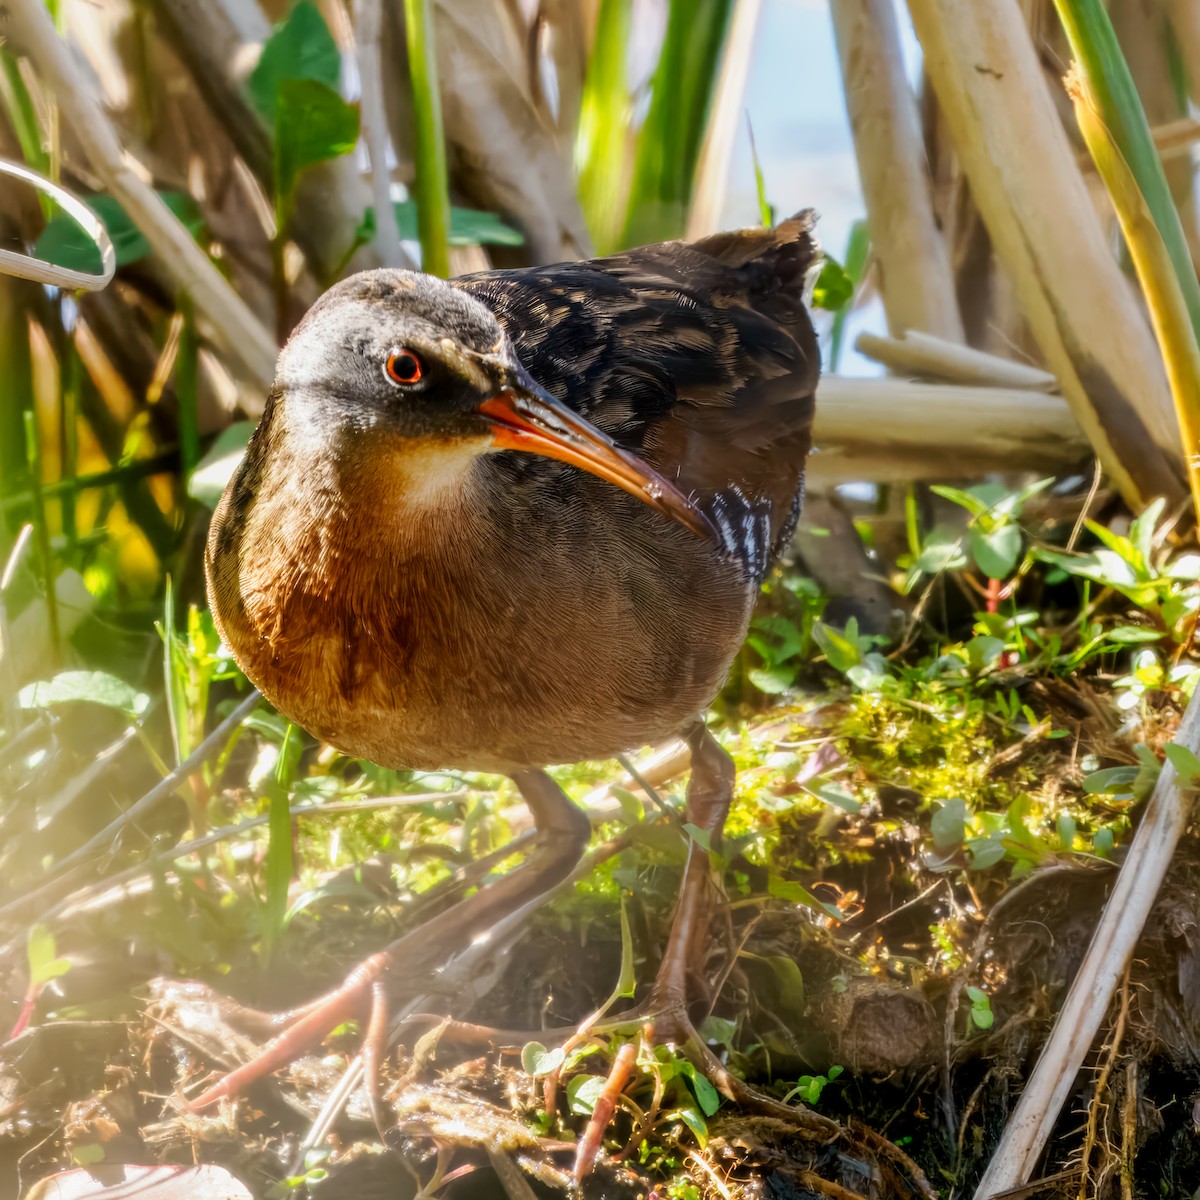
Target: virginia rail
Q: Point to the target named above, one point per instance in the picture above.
(423, 559)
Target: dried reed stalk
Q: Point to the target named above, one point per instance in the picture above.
(891, 430)
(914, 265)
(1053, 1079)
(1046, 233)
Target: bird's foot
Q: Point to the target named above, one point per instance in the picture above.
(668, 1039)
(363, 989)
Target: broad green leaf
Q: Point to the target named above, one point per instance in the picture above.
(1132, 634)
(842, 652)
(468, 226)
(537, 1060)
(301, 47)
(789, 979)
(312, 124)
(838, 796)
(972, 503)
(997, 552)
(582, 1093)
(949, 825)
(796, 893)
(985, 852)
(773, 680)
(983, 651)
(1185, 762)
(214, 471)
(65, 243)
(834, 289)
(44, 962)
(942, 552)
(707, 1096)
(85, 687)
(1111, 781)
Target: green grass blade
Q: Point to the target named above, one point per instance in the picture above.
(669, 142)
(602, 141)
(431, 188)
(1156, 272)
(1114, 97)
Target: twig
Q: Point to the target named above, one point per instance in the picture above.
(716, 153)
(1050, 241)
(165, 787)
(923, 354)
(30, 29)
(368, 21)
(893, 429)
(25, 267)
(1112, 945)
(914, 264)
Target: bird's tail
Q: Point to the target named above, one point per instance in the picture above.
(781, 258)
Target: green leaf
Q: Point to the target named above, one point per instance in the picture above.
(85, 687)
(582, 1093)
(834, 288)
(789, 979)
(214, 471)
(975, 505)
(949, 825)
(65, 243)
(1185, 762)
(843, 652)
(838, 796)
(983, 651)
(996, 553)
(1129, 635)
(312, 124)
(42, 954)
(1111, 781)
(985, 852)
(301, 47)
(796, 893)
(707, 1096)
(773, 680)
(537, 1060)
(942, 552)
(468, 226)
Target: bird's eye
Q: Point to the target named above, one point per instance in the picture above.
(403, 366)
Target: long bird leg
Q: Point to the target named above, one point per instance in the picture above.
(709, 794)
(563, 831)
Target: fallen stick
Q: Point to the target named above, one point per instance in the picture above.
(918, 353)
(1111, 949)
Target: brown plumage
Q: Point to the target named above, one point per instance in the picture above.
(403, 580)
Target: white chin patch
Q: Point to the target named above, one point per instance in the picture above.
(436, 474)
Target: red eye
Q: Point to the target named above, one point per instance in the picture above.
(403, 366)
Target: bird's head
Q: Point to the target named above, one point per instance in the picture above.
(426, 366)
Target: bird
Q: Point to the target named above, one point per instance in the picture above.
(521, 518)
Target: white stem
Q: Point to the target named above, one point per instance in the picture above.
(240, 333)
(368, 20)
(712, 172)
(25, 267)
(917, 353)
(1111, 948)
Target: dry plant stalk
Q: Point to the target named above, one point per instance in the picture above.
(914, 264)
(922, 354)
(1035, 204)
(725, 115)
(1142, 872)
(28, 25)
(893, 430)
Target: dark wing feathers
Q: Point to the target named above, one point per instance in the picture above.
(700, 356)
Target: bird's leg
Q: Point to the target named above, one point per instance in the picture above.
(562, 834)
(709, 794)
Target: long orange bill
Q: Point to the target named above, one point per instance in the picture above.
(539, 424)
